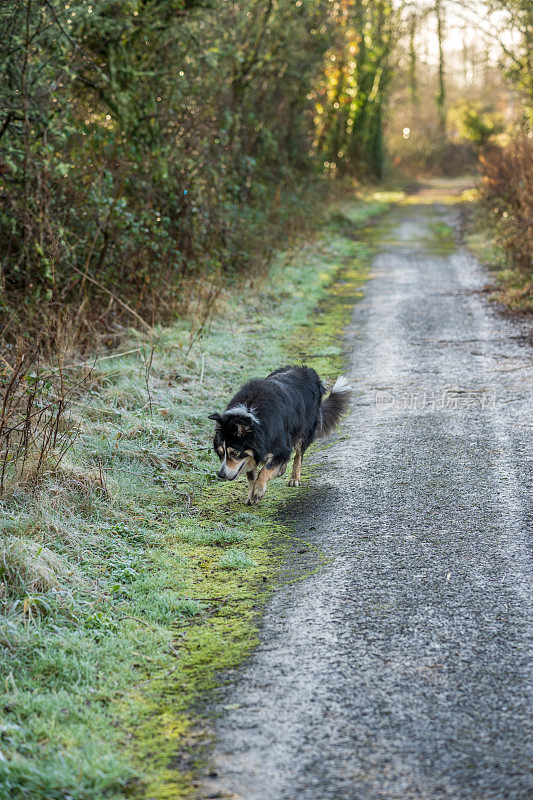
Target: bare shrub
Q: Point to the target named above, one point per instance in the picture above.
(35, 432)
(508, 189)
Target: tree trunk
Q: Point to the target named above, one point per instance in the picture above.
(413, 67)
(441, 93)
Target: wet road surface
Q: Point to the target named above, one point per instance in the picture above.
(402, 668)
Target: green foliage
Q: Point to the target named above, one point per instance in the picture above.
(149, 147)
(351, 100)
(144, 145)
(518, 56)
(478, 125)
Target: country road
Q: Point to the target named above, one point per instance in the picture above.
(401, 669)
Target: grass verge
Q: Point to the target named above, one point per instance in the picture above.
(130, 576)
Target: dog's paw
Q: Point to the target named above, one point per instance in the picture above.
(294, 482)
(254, 498)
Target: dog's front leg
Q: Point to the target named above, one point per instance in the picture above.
(258, 488)
(251, 474)
(283, 469)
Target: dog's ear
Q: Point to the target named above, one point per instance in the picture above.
(215, 417)
(243, 429)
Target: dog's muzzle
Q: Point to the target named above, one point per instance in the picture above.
(225, 475)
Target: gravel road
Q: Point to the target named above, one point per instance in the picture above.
(402, 668)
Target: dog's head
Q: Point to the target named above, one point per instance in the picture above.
(234, 440)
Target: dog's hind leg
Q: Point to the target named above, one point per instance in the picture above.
(294, 480)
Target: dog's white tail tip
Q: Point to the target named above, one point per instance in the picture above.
(341, 385)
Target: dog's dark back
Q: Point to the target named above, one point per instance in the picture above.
(288, 404)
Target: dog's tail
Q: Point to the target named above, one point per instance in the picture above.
(334, 406)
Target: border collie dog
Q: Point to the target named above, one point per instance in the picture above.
(269, 418)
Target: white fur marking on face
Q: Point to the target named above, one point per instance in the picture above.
(341, 385)
(243, 411)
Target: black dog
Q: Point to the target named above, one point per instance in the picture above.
(268, 418)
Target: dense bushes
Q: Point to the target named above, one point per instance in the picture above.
(508, 193)
(144, 147)
(150, 147)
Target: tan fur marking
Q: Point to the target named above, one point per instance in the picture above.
(233, 464)
(251, 466)
(265, 475)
